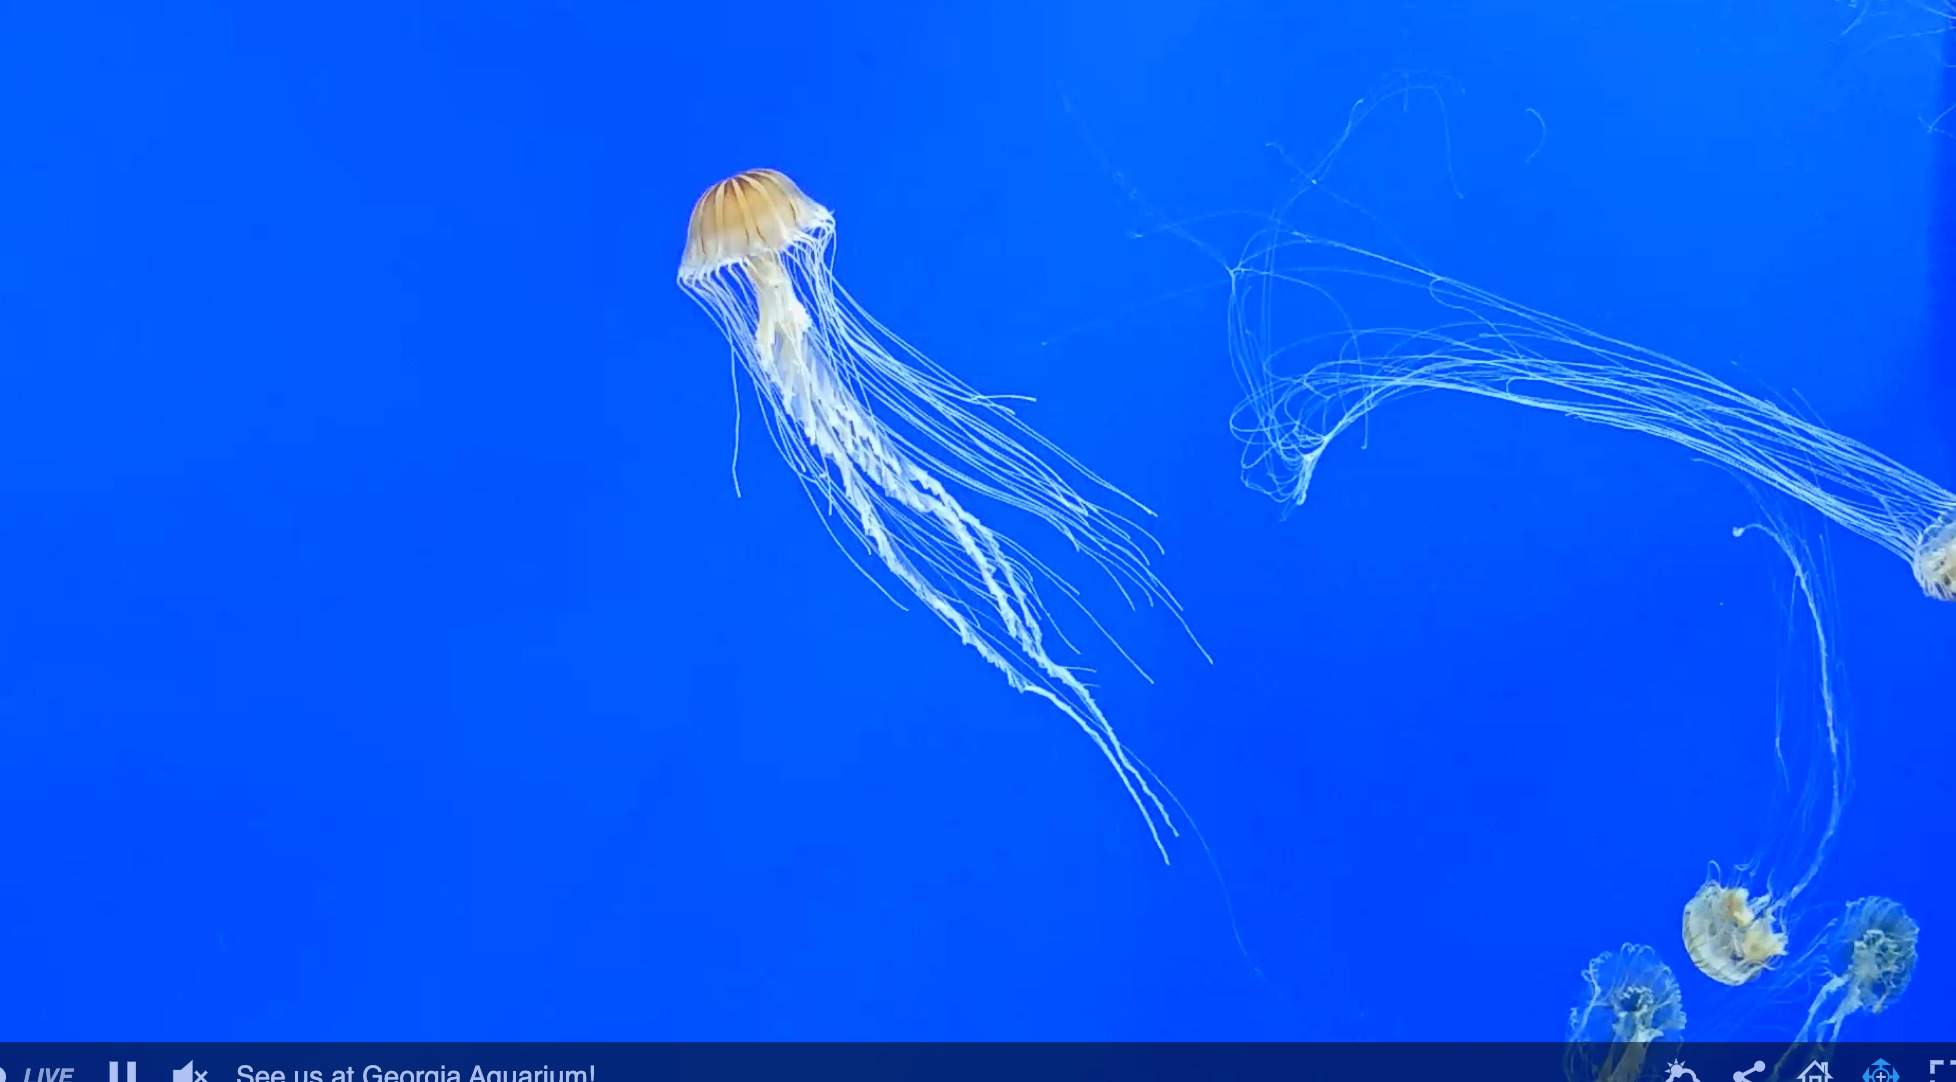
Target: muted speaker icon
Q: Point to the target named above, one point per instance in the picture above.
(188, 1073)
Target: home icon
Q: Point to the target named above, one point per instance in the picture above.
(1816, 1072)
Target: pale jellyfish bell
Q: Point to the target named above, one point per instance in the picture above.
(1935, 564)
(891, 445)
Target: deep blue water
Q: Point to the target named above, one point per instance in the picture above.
(388, 655)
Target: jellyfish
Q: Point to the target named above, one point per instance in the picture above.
(1498, 349)
(1733, 931)
(1629, 999)
(891, 446)
(1867, 956)
(1731, 935)
(1864, 960)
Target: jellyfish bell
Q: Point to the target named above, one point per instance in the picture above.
(1630, 995)
(751, 218)
(1630, 998)
(890, 447)
(1730, 935)
(1935, 563)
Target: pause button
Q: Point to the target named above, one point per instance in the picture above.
(123, 1071)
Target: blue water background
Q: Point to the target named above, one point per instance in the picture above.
(388, 655)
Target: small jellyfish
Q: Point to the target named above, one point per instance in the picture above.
(1485, 345)
(1867, 956)
(1629, 999)
(1734, 931)
(891, 445)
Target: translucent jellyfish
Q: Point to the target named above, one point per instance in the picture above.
(1629, 999)
(1867, 956)
(1495, 348)
(1863, 961)
(891, 445)
(1733, 931)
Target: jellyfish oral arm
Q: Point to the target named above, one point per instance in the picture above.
(1849, 1003)
(780, 323)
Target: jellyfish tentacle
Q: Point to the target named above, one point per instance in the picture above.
(1489, 346)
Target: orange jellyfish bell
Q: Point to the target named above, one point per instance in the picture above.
(752, 215)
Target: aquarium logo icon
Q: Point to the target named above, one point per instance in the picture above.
(1881, 1071)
